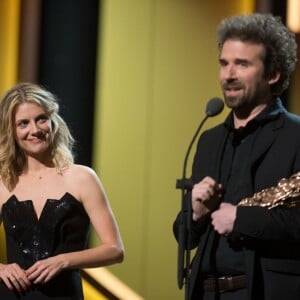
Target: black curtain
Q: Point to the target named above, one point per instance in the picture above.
(279, 8)
(69, 33)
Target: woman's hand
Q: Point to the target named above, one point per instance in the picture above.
(14, 277)
(44, 270)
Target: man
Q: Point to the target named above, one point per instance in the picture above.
(247, 252)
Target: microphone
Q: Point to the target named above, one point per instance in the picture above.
(214, 107)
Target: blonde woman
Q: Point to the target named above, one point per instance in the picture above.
(47, 202)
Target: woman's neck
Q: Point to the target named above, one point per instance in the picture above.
(35, 165)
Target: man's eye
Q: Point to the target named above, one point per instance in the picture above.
(243, 64)
(222, 63)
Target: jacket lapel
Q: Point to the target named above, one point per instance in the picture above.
(266, 136)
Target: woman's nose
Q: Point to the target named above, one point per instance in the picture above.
(35, 128)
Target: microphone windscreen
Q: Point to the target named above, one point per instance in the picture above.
(214, 107)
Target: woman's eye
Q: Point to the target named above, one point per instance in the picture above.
(22, 124)
(43, 119)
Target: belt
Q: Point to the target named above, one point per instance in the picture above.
(224, 284)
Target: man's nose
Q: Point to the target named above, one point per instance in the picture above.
(230, 72)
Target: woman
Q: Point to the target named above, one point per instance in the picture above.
(47, 202)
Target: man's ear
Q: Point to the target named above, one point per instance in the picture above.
(274, 78)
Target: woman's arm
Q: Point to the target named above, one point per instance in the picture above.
(110, 250)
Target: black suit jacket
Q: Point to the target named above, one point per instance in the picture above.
(271, 238)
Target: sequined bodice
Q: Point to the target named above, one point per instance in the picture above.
(62, 227)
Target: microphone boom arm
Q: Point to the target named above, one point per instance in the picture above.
(213, 108)
(185, 184)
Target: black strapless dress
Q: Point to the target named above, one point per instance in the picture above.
(62, 227)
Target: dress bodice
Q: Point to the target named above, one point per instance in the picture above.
(62, 227)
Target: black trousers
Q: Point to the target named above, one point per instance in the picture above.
(241, 294)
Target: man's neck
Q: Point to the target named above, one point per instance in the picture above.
(241, 119)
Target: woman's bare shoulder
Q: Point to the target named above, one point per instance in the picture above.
(80, 171)
(82, 181)
(80, 176)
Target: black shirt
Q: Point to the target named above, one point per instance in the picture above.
(224, 256)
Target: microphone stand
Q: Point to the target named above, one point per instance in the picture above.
(184, 229)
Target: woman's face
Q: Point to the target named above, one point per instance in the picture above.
(32, 129)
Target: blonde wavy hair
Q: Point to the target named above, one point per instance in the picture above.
(12, 157)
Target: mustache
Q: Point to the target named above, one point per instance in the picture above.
(232, 85)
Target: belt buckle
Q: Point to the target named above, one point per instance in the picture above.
(228, 283)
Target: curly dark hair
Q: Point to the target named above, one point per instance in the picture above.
(268, 30)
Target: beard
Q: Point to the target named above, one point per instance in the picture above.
(234, 94)
(235, 102)
(243, 104)
(237, 97)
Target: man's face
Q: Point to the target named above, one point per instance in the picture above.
(242, 75)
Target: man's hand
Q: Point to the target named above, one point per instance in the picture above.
(205, 197)
(223, 218)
